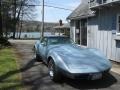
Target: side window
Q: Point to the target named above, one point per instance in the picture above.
(44, 40)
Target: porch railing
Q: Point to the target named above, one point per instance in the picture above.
(95, 3)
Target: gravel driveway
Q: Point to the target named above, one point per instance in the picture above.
(35, 74)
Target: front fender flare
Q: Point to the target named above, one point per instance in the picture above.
(59, 62)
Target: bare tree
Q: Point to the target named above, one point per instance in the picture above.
(13, 12)
(27, 13)
(1, 32)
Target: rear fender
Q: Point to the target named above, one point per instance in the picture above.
(36, 46)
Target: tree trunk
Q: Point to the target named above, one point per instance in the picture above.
(14, 27)
(16, 18)
(1, 31)
(20, 29)
(14, 30)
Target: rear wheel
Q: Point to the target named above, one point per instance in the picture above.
(53, 72)
(37, 57)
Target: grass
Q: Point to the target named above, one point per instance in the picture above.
(10, 78)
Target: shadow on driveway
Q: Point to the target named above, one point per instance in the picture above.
(4, 77)
(41, 80)
(10, 73)
(88, 84)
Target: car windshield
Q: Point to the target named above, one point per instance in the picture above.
(59, 40)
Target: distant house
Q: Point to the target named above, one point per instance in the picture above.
(96, 24)
(63, 29)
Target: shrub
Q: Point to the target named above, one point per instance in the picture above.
(4, 42)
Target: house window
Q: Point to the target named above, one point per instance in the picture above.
(118, 24)
(83, 31)
(104, 1)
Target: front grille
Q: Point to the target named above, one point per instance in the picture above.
(82, 76)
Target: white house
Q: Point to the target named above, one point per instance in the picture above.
(96, 24)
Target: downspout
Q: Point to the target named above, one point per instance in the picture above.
(87, 31)
(99, 24)
(80, 34)
(74, 32)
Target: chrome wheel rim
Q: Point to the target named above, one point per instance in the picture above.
(51, 72)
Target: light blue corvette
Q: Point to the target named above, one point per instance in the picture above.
(66, 58)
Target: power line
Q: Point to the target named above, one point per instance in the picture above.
(51, 3)
(58, 7)
(46, 6)
(51, 6)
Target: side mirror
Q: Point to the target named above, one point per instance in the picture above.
(44, 44)
(73, 42)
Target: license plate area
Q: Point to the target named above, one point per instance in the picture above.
(96, 76)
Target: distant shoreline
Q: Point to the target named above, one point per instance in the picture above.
(31, 35)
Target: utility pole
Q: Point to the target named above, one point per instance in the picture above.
(42, 27)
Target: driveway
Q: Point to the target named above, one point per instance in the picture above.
(35, 74)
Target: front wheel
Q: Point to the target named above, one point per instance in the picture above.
(53, 72)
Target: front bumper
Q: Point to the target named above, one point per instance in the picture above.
(86, 76)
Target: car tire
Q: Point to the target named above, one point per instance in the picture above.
(53, 72)
(37, 57)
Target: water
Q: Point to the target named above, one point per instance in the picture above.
(34, 34)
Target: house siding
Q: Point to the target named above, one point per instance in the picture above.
(101, 32)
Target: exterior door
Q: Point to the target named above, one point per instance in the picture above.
(83, 31)
(77, 32)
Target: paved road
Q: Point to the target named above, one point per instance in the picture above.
(35, 74)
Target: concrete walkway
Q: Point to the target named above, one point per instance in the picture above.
(115, 67)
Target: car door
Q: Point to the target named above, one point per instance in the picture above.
(43, 48)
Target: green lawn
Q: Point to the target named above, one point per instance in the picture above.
(10, 78)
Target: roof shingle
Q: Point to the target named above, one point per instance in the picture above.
(82, 11)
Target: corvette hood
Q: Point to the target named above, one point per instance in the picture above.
(76, 57)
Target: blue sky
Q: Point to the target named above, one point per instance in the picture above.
(53, 14)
